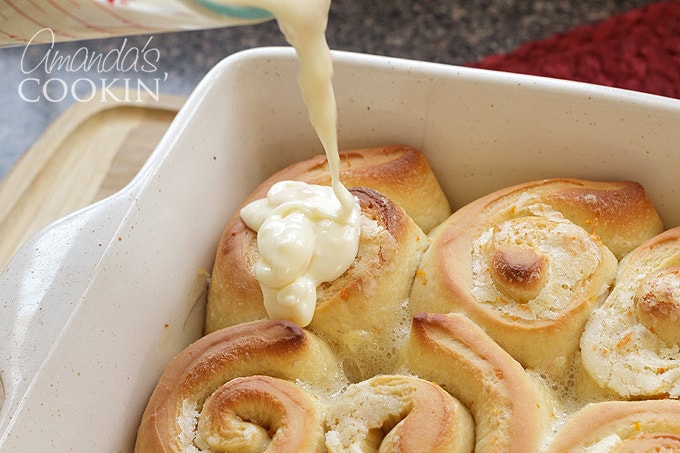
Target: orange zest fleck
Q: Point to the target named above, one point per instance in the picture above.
(625, 340)
(421, 274)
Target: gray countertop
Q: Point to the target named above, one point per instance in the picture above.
(445, 31)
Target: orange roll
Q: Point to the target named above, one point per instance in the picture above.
(249, 373)
(529, 263)
(630, 344)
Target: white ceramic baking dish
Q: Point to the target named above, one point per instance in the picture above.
(95, 305)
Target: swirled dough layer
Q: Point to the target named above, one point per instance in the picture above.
(398, 414)
(256, 413)
(200, 378)
(631, 344)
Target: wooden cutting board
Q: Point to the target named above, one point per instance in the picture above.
(91, 151)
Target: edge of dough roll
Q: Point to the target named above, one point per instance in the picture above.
(621, 427)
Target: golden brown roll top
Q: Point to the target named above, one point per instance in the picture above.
(272, 386)
(510, 410)
(621, 427)
(197, 404)
(363, 312)
(528, 263)
(400, 172)
(234, 293)
(619, 213)
(399, 414)
(630, 345)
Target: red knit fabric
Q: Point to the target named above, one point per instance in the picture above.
(637, 50)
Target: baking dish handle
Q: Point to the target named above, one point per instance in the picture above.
(40, 292)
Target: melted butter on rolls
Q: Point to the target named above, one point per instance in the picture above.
(525, 265)
(313, 235)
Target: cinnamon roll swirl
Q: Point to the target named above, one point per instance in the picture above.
(241, 388)
(621, 427)
(400, 414)
(528, 263)
(631, 344)
(363, 313)
(510, 409)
